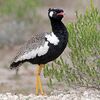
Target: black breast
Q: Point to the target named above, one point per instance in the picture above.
(54, 50)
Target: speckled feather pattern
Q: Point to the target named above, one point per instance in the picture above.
(37, 45)
(36, 41)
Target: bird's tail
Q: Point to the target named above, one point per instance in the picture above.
(14, 65)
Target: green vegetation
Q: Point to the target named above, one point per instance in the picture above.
(84, 42)
(18, 8)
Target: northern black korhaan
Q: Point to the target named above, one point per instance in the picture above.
(45, 47)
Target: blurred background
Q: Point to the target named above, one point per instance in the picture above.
(19, 20)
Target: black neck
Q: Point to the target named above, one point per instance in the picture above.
(58, 26)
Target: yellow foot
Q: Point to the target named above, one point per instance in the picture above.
(44, 94)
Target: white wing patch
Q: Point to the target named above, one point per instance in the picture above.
(52, 38)
(32, 54)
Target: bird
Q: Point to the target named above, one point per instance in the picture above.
(45, 47)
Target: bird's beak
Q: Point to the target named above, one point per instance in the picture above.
(61, 13)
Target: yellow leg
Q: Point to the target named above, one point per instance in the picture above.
(38, 80)
(40, 86)
(37, 85)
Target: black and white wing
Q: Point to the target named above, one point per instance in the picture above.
(36, 46)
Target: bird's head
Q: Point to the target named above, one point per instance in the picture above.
(54, 13)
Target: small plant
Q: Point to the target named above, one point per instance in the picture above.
(84, 42)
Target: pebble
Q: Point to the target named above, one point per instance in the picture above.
(73, 94)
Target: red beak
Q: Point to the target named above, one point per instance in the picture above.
(61, 13)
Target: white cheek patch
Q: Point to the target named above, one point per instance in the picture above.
(32, 54)
(52, 38)
(51, 13)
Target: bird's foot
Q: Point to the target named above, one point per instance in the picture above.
(43, 94)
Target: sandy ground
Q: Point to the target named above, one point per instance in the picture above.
(78, 93)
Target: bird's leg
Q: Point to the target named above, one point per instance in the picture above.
(37, 84)
(38, 80)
